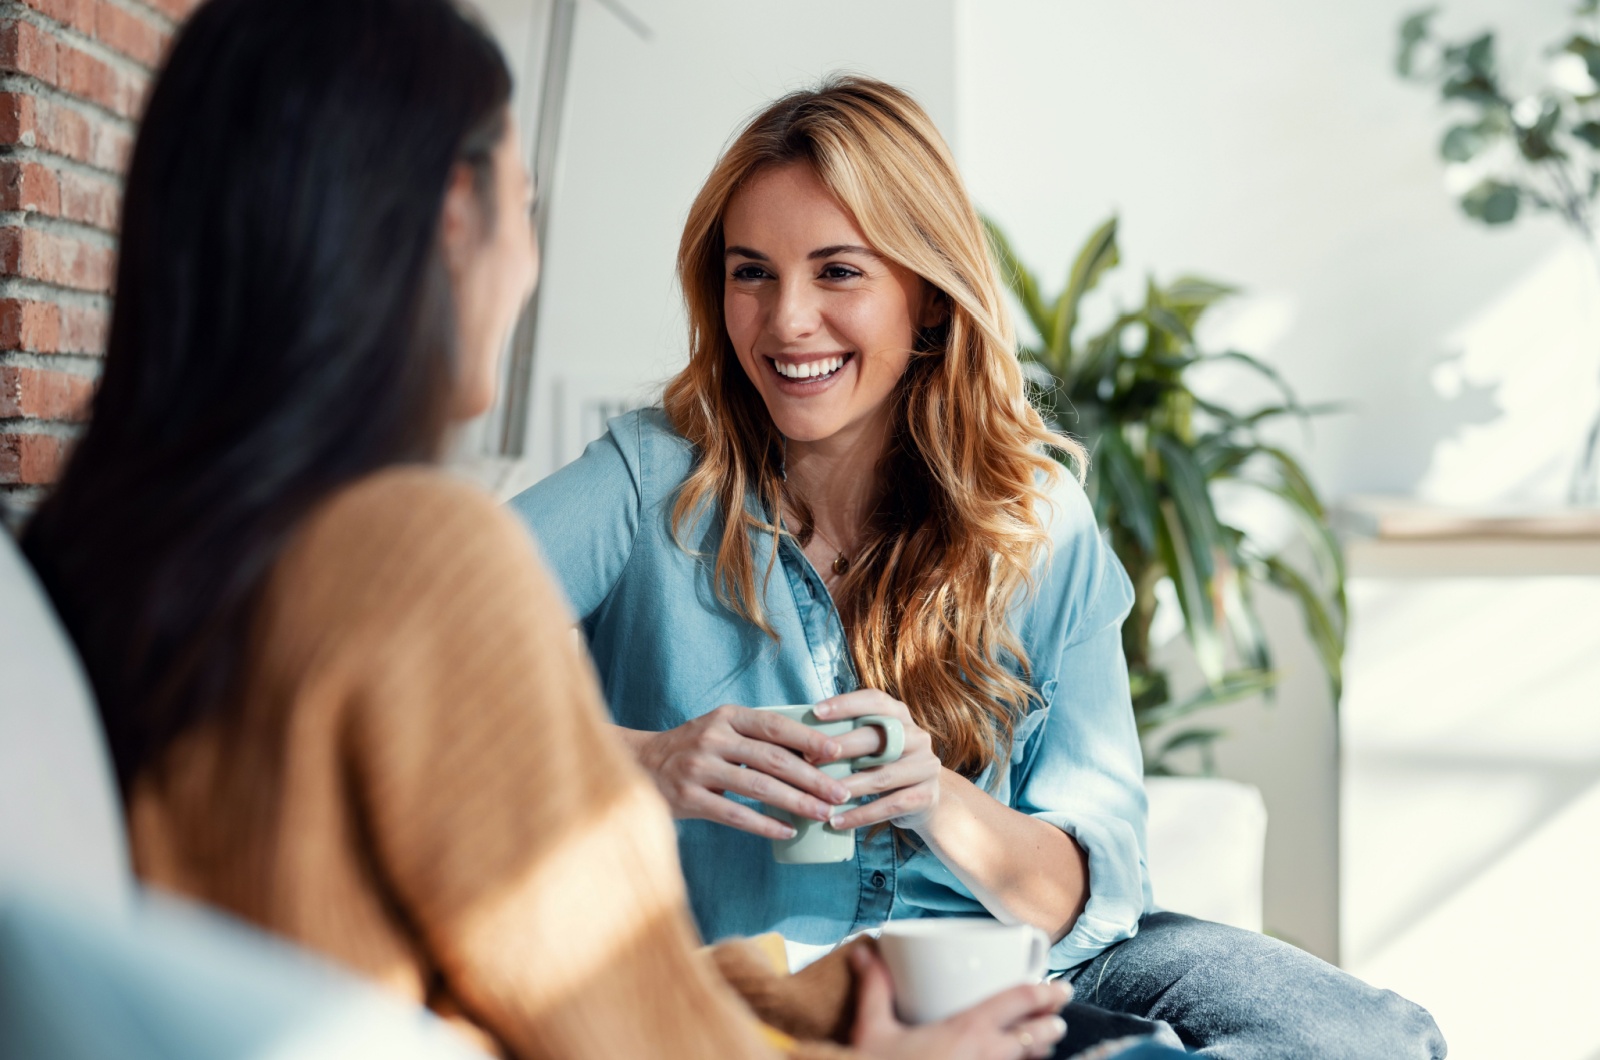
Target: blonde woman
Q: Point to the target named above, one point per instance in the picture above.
(846, 499)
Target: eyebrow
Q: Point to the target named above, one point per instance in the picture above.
(820, 252)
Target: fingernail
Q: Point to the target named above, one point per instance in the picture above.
(835, 819)
(1058, 1027)
(822, 710)
(788, 833)
(830, 750)
(821, 812)
(1064, 990)
(839, 793)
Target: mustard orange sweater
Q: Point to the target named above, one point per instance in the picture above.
(419, 782)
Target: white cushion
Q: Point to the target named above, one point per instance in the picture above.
(60, 817)
(1208, 842)
(172, 981)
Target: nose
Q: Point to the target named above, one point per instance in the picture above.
(794, 315)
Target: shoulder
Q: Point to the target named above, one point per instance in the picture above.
(662, 457)
(1079, 583)
(405, 537)
(1065, 511)
(409, 508)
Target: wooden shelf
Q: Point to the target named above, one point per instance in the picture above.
(1396, 537)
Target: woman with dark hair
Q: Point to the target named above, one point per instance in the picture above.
(339, 688)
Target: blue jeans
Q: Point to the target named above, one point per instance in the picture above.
(1236, 994)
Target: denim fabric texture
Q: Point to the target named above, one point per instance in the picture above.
(1238, 995)
(668, 651)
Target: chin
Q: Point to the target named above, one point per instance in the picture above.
(808, 428)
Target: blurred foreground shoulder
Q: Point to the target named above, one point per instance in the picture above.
(414, 534)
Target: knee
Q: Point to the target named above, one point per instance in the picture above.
(1399, 1028)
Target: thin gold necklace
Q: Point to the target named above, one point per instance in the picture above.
(841, 562)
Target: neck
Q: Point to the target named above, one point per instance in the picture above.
(838, 477)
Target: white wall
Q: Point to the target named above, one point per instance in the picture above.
(646, 120)
(1270, 144)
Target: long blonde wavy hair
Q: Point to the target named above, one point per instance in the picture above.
(957, 534)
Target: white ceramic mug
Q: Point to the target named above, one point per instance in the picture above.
(943, 965)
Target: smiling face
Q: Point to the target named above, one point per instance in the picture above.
(822, 325)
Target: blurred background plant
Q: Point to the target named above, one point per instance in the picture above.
(1508, 151)
(1158, 449)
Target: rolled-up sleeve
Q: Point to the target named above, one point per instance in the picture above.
(586, 515)
(1084, 771)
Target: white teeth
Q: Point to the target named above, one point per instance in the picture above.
(810, 369)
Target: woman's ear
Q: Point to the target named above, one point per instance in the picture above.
(935, 309)
(460, 219)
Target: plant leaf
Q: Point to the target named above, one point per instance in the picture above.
(1232, 687)
(1194, 594)
(1492, 202)
(1098, 254)
(1462, 143)
(1326, 636)
(1201, 738)
(1413, 31)
(1018, 279)
(1238, 610)
(1186, 485)
(1136, 502)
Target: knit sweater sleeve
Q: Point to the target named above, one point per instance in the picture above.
(533, 860)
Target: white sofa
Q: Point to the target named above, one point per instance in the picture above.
(93, 967)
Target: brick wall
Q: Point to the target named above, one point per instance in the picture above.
(73, 76)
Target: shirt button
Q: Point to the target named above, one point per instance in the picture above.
(879, 879)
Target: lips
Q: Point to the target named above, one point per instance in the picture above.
(809, 371)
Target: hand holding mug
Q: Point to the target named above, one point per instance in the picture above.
(759, 754)
(1014, 1024)
(907, 788)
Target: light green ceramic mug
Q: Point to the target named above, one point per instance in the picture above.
(817, 842)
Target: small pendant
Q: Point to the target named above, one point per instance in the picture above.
(840, 565)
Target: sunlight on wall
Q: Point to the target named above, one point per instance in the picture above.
(1534, 351)
(1471, 806)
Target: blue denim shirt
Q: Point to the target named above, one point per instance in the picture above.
(668, 651)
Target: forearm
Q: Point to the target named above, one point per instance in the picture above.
(1020, 868)
(632, 739)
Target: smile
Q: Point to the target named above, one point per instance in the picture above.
(809, 371)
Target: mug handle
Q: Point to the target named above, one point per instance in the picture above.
(894, 741)
(1038, 955)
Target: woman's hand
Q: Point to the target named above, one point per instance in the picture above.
(907, 788)
(1017, 1023)
(755, 753)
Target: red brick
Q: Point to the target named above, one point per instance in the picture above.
(88, 200)
(177, 10)
(29, 186)
(17, 118)
(33, 326)
(83, 330)
(125, 32)
(80, 74)
(31, 459)
(62, 130)
(79, 14)
(39, 393)
(51, 258)
(26, 49)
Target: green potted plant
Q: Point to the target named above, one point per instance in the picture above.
(1157, 450)
(1536, 150)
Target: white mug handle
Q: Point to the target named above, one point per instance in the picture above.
(1039, 954)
